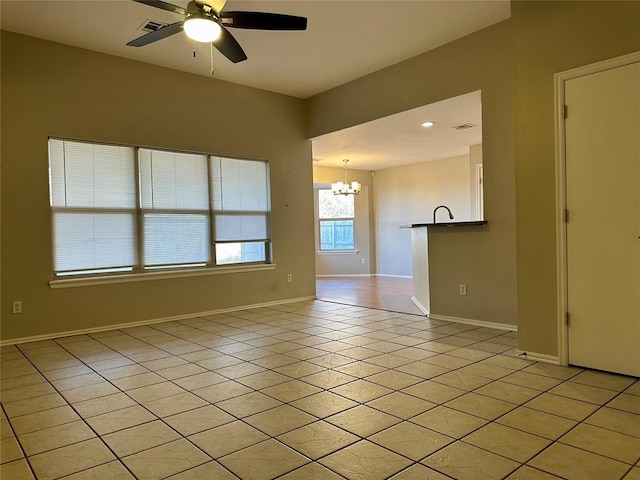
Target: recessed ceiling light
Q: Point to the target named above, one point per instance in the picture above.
(428, 124)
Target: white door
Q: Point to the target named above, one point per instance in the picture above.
(603, 230)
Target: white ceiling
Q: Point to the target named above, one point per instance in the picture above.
(344, 41)
(401, 139)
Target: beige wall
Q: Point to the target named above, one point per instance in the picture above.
(49, 89)
(408, 194)
(53, 90)
(551, 37)
(349, 263)
(482, 257)
(513, 63)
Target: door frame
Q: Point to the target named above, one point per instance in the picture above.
(561, 189)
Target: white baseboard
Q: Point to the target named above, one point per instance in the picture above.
(364, 275)
(106, 328)
(538, 357)
(392, 276)
(345, 275)
(471, 321)
(421, 307)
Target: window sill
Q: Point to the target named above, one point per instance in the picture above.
(337, 252)
(148, 276)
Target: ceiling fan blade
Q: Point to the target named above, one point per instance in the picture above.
(262, 21)
(163, 6)
(229, 47)
(159, 34)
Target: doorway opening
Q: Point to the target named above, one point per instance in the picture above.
(407, 164)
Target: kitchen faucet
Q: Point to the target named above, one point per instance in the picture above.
(437, 208)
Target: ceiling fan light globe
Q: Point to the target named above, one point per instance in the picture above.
(202, 29)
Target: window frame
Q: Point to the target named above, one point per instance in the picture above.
(319, 220)
(74, 202)
(239, 213)
(139, 271)
(150, 210)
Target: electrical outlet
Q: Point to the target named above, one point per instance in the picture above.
(364, 260)
(463, 289)
(289, 278)
(17, 306)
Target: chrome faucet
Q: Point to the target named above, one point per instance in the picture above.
(438, 208)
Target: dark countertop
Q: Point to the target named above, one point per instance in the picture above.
(445, 224)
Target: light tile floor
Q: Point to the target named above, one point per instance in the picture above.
(309, 390)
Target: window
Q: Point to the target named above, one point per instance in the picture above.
(93, 201)
(335, 214)
(241, 210)
(174, 198)
(127, 209)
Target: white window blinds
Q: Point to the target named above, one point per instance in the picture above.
(93, 197)
(174, 197)
(240, 193)
(132, 209)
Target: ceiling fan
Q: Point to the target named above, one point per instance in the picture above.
(204, 21)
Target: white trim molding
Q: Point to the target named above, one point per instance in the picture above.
(323, 253)
(107, 328)
(363, 275)
(477, 323)
(344, 275)
(388, 275)
(561, 196)
(421, 307)
(538, 357)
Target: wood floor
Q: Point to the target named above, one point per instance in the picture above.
(383, 293)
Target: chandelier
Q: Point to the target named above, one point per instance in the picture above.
(346, 188)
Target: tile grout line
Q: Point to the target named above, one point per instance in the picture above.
(70, 405)
(20, 446)
(157, 418)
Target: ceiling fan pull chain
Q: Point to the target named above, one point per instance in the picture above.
(194, 49)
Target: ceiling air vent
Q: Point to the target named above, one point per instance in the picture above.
(464, 126)
(151, 26)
